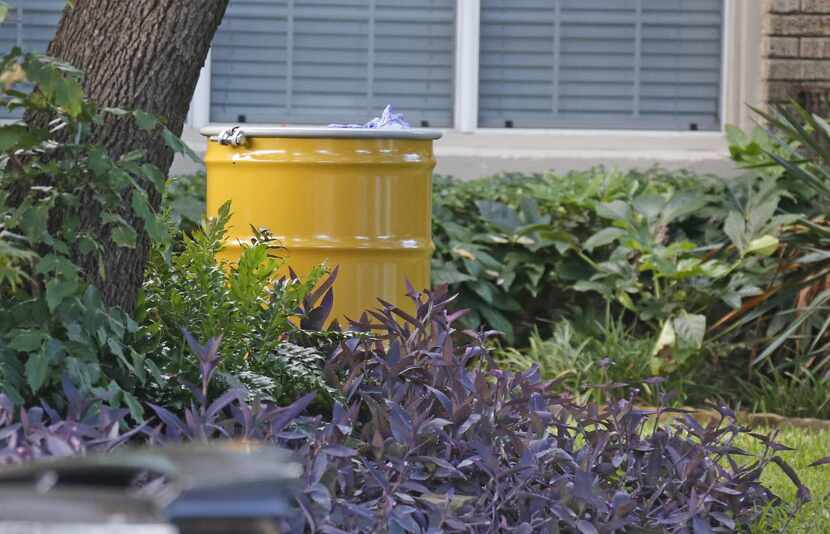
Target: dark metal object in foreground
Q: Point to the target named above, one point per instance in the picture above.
(196, 488)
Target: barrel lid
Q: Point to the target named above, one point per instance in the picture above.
(326, 133)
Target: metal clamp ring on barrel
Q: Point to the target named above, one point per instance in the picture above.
(232, 136)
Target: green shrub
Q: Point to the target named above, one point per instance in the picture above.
(521, 249)
(725, 279)
(58, 189)
(580, 356)
(242, 302)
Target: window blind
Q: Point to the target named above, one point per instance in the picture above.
(627, 64)
(314, 62)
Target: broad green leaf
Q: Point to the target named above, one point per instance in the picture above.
(484, 290)
(16, 136)
(732, 299)
(763, 246)
(649, 206)
(136, 410)
(27, 340)
(625, 300)
(603, 237)
(499, 215)
(99, 161)
(154, 227)
(735, 228)
(762, 215)
(498, 321)
(124, 236)
(448, 275)
(682, 205)
(155, 176)
(37, 369)
(145, 121)
(587, 285)
(690, 329)
(735, 135)
(70, 96)
(4, 11)
(666, 339)
(617, 210)
(52, 263)
(132, 157)
(715, 269)
(58, 289)
(179, 146)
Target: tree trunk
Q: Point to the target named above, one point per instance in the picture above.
(135, 54)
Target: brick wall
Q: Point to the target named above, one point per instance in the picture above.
(796, 51)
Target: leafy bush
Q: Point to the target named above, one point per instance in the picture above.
(519, 248)
(431, 437)
(245, 303)
(576, 355)
(717, 275)
(56, 190)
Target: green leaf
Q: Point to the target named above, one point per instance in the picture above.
(625, 300)
(154, 227)
(485, 290)
(52, 263)
(667, 338)
(154, 175)
(37, 369)
(448, 275)
(498, 321)
(69, 95)
(690, 329)
(649, 205)
(682, 205)
(145, 121)
(27, 340)
(735, 228)
(499, 215)
(58, 289)
(17, 136)
(616, 210)
(124, 236)
(587, 285)
(763, 246)
(736, 136)
(136, 410)
(99, 161)
(116, 348)
(4, 11)
(603, 237)
(179, 146)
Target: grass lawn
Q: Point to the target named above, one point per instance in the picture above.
(815, 516)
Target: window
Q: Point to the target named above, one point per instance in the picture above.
(30, 24)
(315, 62)
(611, 64)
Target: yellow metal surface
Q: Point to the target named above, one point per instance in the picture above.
(362, 204)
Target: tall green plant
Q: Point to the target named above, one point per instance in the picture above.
(791, 314)
(244, 302)
(56, 190)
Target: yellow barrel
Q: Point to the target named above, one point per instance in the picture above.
(360, 199)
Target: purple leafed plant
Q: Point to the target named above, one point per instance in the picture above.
(86, 425)
(430, 436)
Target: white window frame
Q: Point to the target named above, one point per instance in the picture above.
(741, 85)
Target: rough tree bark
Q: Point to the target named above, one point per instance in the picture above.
(135, 54)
